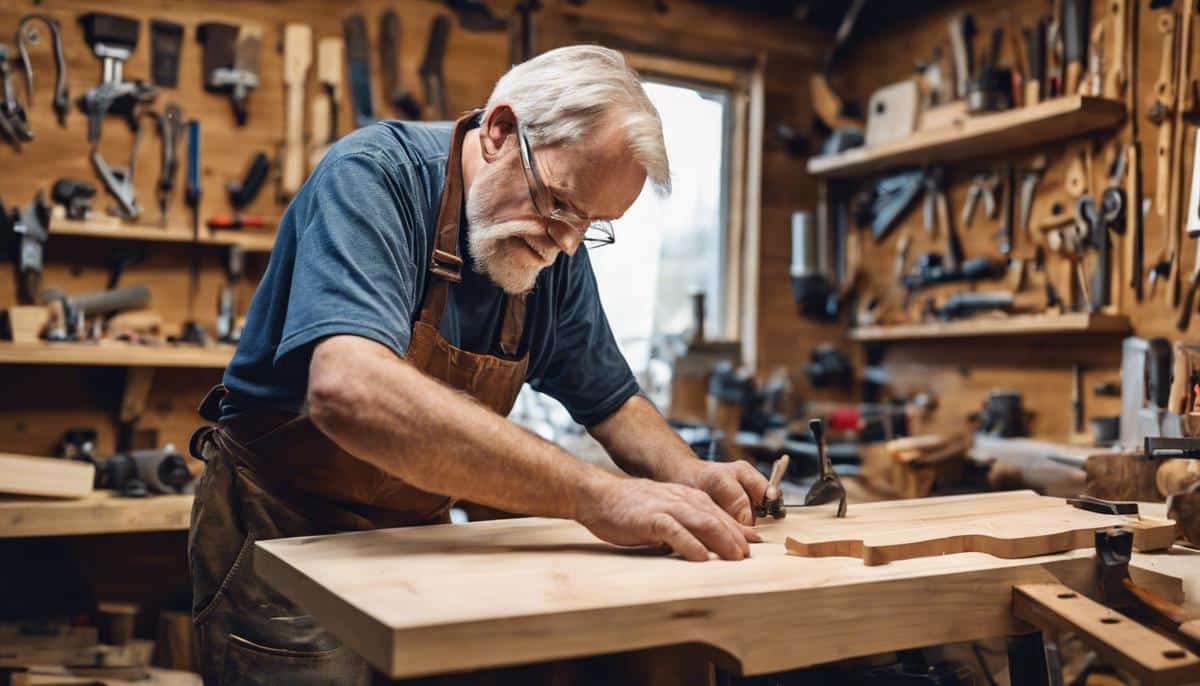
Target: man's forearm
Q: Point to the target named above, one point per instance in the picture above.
(642, 443)
(384, 410)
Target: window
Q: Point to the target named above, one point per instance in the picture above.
(672, 247)
(666, 249)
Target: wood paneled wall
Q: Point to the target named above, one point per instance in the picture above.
(61, 397)
(962, 371)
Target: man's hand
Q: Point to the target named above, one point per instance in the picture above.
(642, 512)
(736, 486)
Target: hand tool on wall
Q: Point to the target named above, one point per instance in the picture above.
(1192, 225)
(400, 98)
(297, 58)
(474, 15)
(1114, 86)
(118, 181)
(1075, 23)
(25, 230)
(170, 130)
(166, 42)
(990, 89)
(26, 35)
(1035, 56)
(227, 308)
(431, 68)
(354, 28)
(192, 332)
(112, 39)
(1095, 80)
(1030, 176)
(962, 35)
(230, 62)
(323, 113)
(828, 487)
(983, 187)
(935, 196)
(75, 196)
(242, 193)
(1077, 405)
(1163, 107)
(1007, 234)
(13, 124)
(891, 198)
(1137, 235)
(522, 44)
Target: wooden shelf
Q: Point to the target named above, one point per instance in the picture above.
(116, 354)
(978, 136)
(101, 512)
(1017, 325)
(251, 240)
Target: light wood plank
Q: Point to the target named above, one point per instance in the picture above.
(116, 354)
(1016, 325)
(526, 590)
(45, 476)
(978, 136)
(102, 512)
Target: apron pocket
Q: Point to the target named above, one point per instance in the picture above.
(199, 615)
(252, 664)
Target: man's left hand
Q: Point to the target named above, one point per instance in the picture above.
(735, 486)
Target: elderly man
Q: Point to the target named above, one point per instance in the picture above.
(420, 277)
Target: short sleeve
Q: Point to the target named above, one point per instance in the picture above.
(354, 271)
(587, 372)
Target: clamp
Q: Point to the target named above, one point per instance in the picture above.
(119, 180)
(62, 97)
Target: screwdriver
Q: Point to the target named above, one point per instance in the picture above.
(192, 331)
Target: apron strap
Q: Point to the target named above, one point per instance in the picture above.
(445, 264)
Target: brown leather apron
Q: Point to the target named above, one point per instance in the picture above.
(272, 474)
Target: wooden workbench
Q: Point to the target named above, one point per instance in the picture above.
(529, 590)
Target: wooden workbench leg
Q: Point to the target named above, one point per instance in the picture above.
(1027, 660)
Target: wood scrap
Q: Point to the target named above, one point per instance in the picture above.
(1040, 526)
(45, 476)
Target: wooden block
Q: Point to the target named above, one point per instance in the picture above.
(45, 476)
(1150, 657)
(1029, 527)
(115, 621)
(24, 323)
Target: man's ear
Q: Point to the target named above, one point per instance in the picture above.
(499, 124)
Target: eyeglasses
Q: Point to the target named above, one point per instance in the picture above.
(595, 233)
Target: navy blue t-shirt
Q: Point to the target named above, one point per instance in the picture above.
(351, 257)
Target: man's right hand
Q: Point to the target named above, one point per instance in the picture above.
(634, 512)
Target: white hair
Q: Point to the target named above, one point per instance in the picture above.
(565, 94)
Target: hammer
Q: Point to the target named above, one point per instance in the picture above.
(1120, 592)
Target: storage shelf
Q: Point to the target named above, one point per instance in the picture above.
(1017, 325)
(251, 240)
(116, 354)
(978, 136)
(101, 512)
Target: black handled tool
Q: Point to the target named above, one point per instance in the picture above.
(1102, 506)
(230, 62)
(400, 98)
(113, 39)
(431, 67)
(359, 66)
(192, 331)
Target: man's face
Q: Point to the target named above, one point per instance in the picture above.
(596, 178)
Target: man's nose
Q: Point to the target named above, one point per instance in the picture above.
(566, 237)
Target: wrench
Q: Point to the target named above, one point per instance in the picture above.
(62, 97)
(1029, 180)
(119, 181)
